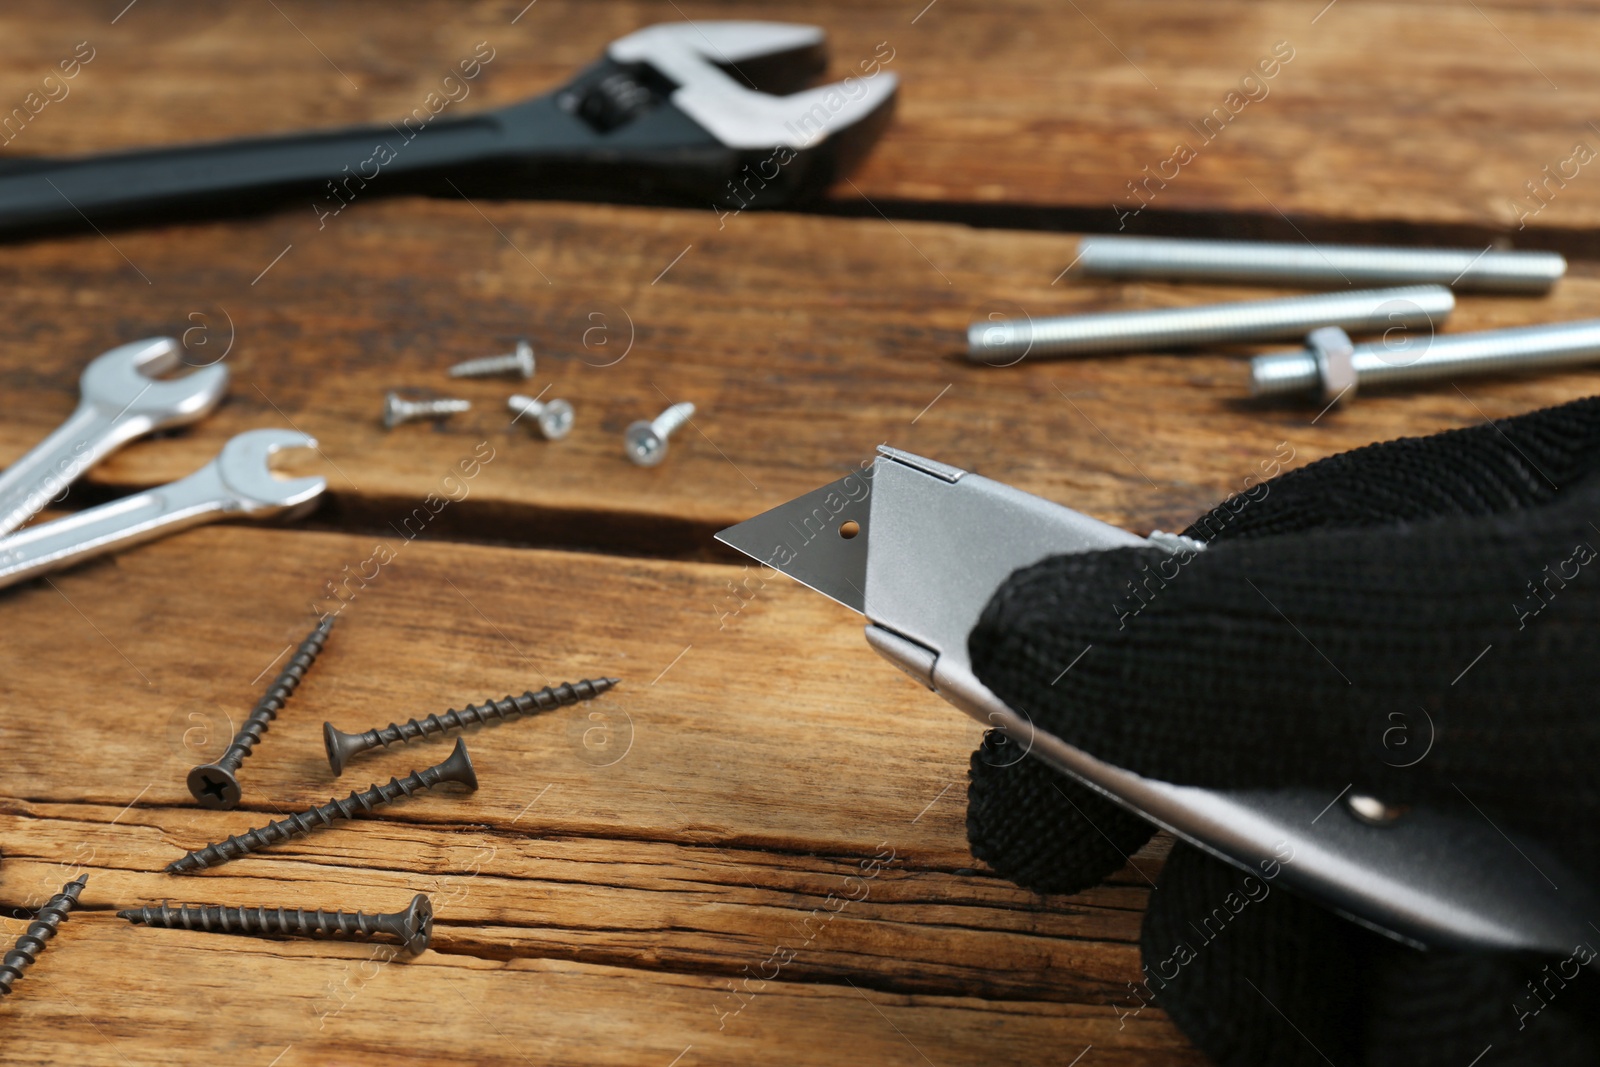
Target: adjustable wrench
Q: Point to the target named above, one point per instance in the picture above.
(121, 401)
(238, 483)
(678, 111)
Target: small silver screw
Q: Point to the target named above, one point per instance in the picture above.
(519, 362)
(397, 409)
(646, 442)
(554, 417)
(1002, 342)
(1560, 344)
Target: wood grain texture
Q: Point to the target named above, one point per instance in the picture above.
(805, 341)
(627, 858)
(1431, 116)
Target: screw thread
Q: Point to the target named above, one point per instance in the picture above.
(672, 418)
(457, 768)
(546, 699)
(520, 361)
(277, 695)
(443, 406)
(258, 920)
(43, 927)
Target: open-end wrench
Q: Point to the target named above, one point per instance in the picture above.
(121, 400)
(676, 112)
(238, 483)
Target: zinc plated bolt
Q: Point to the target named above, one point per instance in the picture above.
(553, 417)
(215, 785)
(1005, 341)
(412, 927)
(646, 442)
(342, 746)
(1314, 266)
(397, 409)
(39, 932)
(1561, 344)
(457, 768)
(519, 362)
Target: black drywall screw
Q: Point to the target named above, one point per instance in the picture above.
(412, 927)
(341, 746)
(214, 784)
(458, 768)
(39, 932)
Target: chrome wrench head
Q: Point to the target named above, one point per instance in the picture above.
(121, 400)
(692, 55)
(245, 468)
(124, 382)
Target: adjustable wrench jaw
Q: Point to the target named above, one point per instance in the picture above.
(709, 112)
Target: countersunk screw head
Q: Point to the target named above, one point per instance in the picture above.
(646, 442)
(553, 417)
(416, 924)
(215, 786)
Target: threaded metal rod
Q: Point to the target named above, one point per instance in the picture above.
(215, 785)
(43, 927)
(1521, 348)
(412, 927)
(342, 746)
(457, 768)
(1004, 341)
(1336, 266)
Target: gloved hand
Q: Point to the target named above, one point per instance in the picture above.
(1457, 573)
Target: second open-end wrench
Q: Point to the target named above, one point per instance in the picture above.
(238, 483)
(121, 400)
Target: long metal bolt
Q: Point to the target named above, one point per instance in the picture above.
(412, 927)
(342, 746)
(1561, 344)
(646, 442)
(34, 940)
(1004, 341)
(397, 409)
(215, 785)
(458, 768)
(1315, 266)
(553, 417)
(519, 362)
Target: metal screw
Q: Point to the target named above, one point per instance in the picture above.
(1335, 266)
(554, 416)
(646, 442)
(342, 746)
(519, 362)
(397, 409)
(458, 768)
(412, 927)
(39, 932)
(214, 785)
(1002, 342)
(1560, 344)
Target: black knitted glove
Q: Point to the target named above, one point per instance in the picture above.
(1456, 575)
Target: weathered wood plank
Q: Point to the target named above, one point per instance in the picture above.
(805, 341)
(760, 783)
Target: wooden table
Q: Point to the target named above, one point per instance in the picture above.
(761, 787)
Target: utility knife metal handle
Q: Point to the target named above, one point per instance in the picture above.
(920, 547)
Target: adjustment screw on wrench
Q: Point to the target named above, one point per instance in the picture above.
(1561, 344)
(412, 927)
(342, 746)
(1335, 266)
(1003, 342)
(397, 409)
(519, 362)
(457, 768)
(646, 442)
(39, 932)
(214, 785)
(554, 417)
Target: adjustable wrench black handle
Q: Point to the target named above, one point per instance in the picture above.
(572, 140)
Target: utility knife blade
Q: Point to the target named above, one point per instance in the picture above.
(919, 547)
